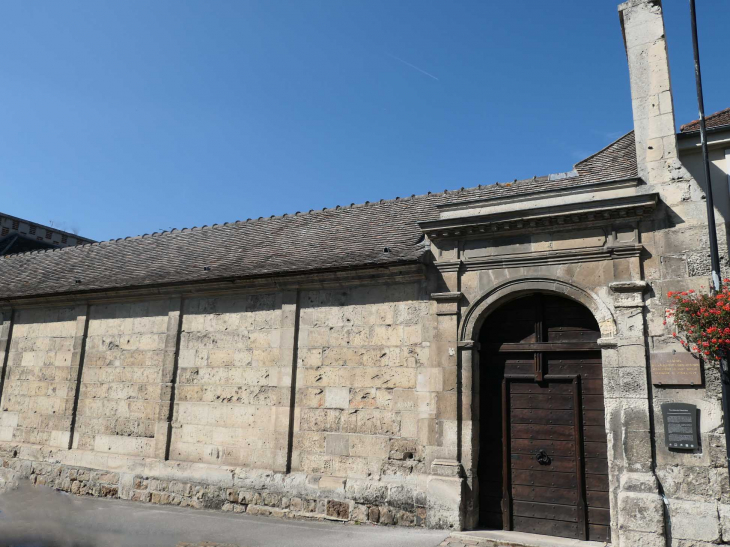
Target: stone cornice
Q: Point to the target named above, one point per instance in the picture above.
(538, 194)
(546, 258)
(628, 286)
(315, 280)
(596, 212)
(450, 266)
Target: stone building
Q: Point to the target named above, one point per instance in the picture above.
(472, 358)
(18, 235)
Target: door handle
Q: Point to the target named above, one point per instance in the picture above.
(542, 458)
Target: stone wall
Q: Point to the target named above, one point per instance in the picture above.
(38, 395)
(230, 390)
(205, 383)
(121, 380)
(357, 408)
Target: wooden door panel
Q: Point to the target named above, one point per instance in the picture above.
(594, 433)
(599, 533)
(586, 372)
(540, 416)
(597, 499)
(543, 432)
(599, 516)
(553, 448)
(594, 417)
(547, 402)
(546, 527)
(560, 496)
(598, 483)
(553, 388)
(566, 494)
(545, 511)
(595, 450)
(592, 386)
(593, 402)
(558, 464)
(597, 465)
(541, 478)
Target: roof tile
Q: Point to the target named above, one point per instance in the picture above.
(341, 237)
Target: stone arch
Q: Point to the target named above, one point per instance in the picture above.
(470, 326)
(516, 287)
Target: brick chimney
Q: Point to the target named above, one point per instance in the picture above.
(642, 23)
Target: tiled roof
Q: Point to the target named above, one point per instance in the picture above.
(718, 119)
(337, 238)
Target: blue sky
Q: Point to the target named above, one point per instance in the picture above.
(123, 118)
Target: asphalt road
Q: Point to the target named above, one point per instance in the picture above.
(40, 517)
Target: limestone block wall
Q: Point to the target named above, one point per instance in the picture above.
(359, 357)
(121, 380)
(230, 388)
(38, 394)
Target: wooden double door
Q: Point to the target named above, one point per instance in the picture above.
(542, 461)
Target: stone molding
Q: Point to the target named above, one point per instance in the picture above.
(477, 312)
(536, 195)
(447, 303)
(446, 468)
(628, 294)
(548, 258)
(449, 266)
(376, 275)
(592, 213)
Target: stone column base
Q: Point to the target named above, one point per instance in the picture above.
(445, 496)
(640, 511)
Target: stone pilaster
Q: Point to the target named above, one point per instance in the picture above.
(646, 49)
(440, 432)
(469, 427)
(6, 329)
(286, 377)
(65, 439)
(163, 427)
(637, 513)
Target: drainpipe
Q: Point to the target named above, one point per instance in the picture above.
(714, 252)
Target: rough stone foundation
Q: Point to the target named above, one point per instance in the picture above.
(237, 490)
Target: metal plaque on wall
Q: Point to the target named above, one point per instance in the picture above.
(680, 426)
(675, 369)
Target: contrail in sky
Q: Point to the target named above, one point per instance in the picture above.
(412, 66)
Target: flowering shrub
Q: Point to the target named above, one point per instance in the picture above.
(702, 321)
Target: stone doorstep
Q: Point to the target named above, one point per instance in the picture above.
(501, 538)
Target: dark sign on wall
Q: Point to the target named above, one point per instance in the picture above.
(675, 369)
(680, 426)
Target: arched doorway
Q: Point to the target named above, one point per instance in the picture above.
(543, 456)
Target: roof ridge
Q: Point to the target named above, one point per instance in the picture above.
(685, 127)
